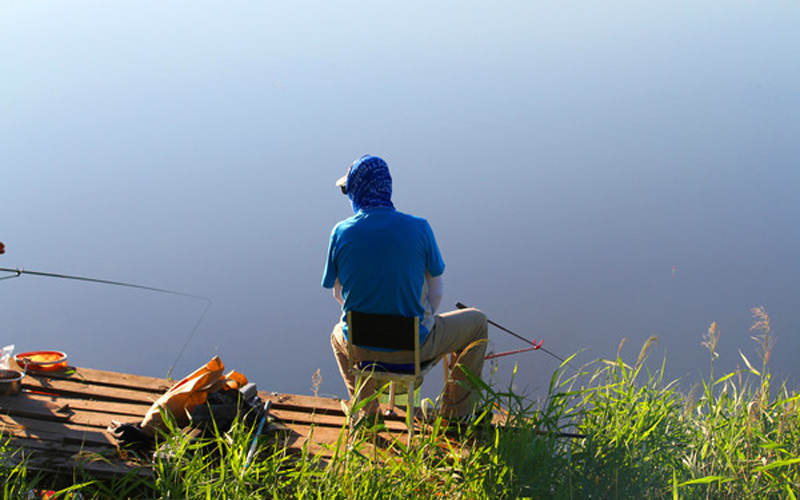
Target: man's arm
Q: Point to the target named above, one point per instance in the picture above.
(337, 292)
(435, 290)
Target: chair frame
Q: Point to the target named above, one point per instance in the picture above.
(367, 330)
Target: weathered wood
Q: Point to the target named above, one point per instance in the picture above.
(102, 460)
(46, 430)
(34, 407)
(307, 403)
(116, 409)
(30, 446)
(317, 405)
(59, 421)
(111, 379)
(72, 463)
(85, 390)
(295, 416)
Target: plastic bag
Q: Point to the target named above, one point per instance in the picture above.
(193, 390)
(5, 357)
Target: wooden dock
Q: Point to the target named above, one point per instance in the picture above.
(58, 423)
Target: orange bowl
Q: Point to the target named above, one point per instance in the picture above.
(45, 361)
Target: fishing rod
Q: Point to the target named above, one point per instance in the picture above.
(536, 347)
(252, 450)
(19, 272)
(509, 353)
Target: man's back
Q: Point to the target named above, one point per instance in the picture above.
(380, 257)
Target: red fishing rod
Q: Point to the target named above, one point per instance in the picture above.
(509, 353)
(535, 346)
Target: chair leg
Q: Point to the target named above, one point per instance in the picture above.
(410, 411)
(392, 390)
(351, 417)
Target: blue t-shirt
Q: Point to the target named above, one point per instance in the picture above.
(380, 256)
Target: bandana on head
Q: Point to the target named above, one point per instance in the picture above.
(369, 184)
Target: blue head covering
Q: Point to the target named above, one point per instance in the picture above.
(369, 184)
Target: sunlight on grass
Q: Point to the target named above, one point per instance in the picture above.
(613, 430)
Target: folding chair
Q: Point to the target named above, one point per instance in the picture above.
(385, 331)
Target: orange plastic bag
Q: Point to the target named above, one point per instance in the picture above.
(191, 391)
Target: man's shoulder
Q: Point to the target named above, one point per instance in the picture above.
(377, 215)
(345, 223)
(412, 218)
(412, 223)
(379, 219)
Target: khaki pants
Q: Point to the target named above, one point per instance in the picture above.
(451, 333)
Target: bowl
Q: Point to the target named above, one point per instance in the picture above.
(10, 382)
(44, 361)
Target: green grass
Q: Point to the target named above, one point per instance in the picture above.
(735, 436)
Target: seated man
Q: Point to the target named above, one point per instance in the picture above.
(387, 262)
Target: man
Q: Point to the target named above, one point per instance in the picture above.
(386, 262)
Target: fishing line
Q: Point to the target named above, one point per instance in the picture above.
(189, 339)
(18, 272)
(536, 347)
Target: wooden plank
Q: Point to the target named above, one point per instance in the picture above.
(60, 415)
(100, 420)
(107, 378)
(139, 382)
(41, 454)
(114, 409)
(29, 441)
(92, 415)
(322, 419)
(43, 408)
(66, 465)
(310, 403)
(30, 446)
(89, 415)
(70, 433)
(85, 390)
(97, 414)
(322, 441)
(23, 406)
(317, 404)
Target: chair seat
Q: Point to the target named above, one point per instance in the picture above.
(404, 368)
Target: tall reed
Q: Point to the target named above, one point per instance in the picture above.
(746, 444)
(635, 427)
(614, 430)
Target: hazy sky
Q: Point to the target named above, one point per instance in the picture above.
(568, 155)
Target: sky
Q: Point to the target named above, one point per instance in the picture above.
(593, 172)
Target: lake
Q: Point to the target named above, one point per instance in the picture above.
(592, 173)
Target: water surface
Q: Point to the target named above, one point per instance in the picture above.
(592, 172)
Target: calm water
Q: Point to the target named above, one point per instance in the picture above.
(591, 172)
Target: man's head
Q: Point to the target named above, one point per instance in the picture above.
(368, 183)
